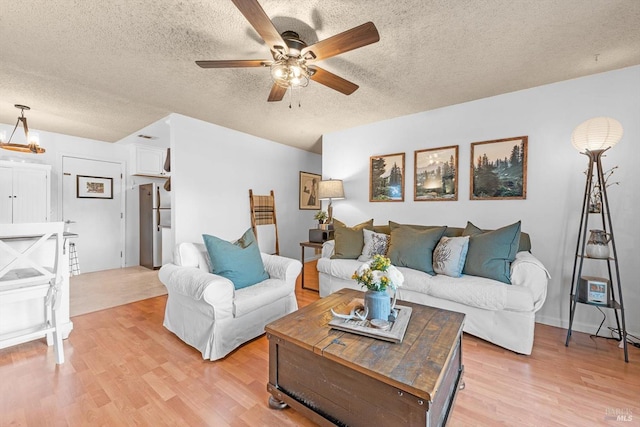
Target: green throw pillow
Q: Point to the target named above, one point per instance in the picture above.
(239, 262)
(491, 253)
(349, 241)
(412, 247)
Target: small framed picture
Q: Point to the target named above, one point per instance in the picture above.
(436, 174)
(499, 169)
(386, 178)
(308, 191)
(94, 187)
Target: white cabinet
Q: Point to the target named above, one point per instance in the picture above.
(25, 192)
(149, 161)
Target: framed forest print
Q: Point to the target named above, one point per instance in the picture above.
(386, 178)
(436, 174)
(308, 191)
(499, 169)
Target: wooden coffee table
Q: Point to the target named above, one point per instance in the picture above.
(338, 378)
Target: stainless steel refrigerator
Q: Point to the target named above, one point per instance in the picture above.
(155, 214)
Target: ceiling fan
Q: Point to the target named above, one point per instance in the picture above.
(293, 63)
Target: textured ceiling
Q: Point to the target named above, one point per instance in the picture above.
(105, 69)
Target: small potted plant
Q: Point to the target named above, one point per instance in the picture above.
(321, 216)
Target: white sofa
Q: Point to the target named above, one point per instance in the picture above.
(205, 310)
(497, 312)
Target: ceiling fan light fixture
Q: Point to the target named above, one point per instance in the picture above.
(290, 72)
(291, 54)
(32, 139)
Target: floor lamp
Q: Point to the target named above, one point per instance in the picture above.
(592, 138)
(330, 189)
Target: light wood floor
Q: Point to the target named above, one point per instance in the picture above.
(123, 368)
(105, 289)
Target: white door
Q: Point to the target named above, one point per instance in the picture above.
(97, 219)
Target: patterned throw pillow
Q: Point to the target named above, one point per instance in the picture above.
(374, 244)
(449, 255)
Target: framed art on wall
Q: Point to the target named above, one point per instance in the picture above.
(94, 187)
(386, 178)
(308, 191)
(499, 169)
(436, 174)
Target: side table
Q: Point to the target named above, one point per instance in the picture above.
(304, 245)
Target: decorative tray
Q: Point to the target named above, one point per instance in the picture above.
(393, 333)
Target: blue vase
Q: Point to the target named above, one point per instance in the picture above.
(378, 303)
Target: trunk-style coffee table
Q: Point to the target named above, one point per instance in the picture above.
(339, 378)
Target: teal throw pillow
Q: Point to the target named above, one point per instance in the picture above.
(239, 262)
(491, 253)
(450, 254)
(413, 248)
(524, 244)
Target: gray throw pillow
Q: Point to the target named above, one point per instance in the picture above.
(412, 247)
(491, 253)
(524, 244)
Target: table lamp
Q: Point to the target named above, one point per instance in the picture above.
(330, 189)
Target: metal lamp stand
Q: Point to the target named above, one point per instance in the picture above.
(595, 161)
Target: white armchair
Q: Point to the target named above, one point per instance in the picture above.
(205, 310)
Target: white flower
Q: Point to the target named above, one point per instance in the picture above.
(397, 279)
(377, 275)
(363, 269)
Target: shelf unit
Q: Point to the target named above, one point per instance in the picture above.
(613, 272)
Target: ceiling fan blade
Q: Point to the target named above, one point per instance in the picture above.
(332, 81)
(234, 63)
(259, 20)
(277, 93)
(354, 38)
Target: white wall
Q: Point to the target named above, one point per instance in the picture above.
(551, 211)
(160, 132)
(58, 145)
(213, 169)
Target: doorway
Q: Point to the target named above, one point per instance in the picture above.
(98, 219)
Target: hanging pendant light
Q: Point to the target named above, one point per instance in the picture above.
(32, 141)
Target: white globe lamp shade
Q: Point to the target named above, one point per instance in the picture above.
(596, 134)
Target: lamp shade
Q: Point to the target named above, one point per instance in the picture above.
(598, 133)
(330, 189)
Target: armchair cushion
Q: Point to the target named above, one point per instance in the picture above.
(239, 262)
